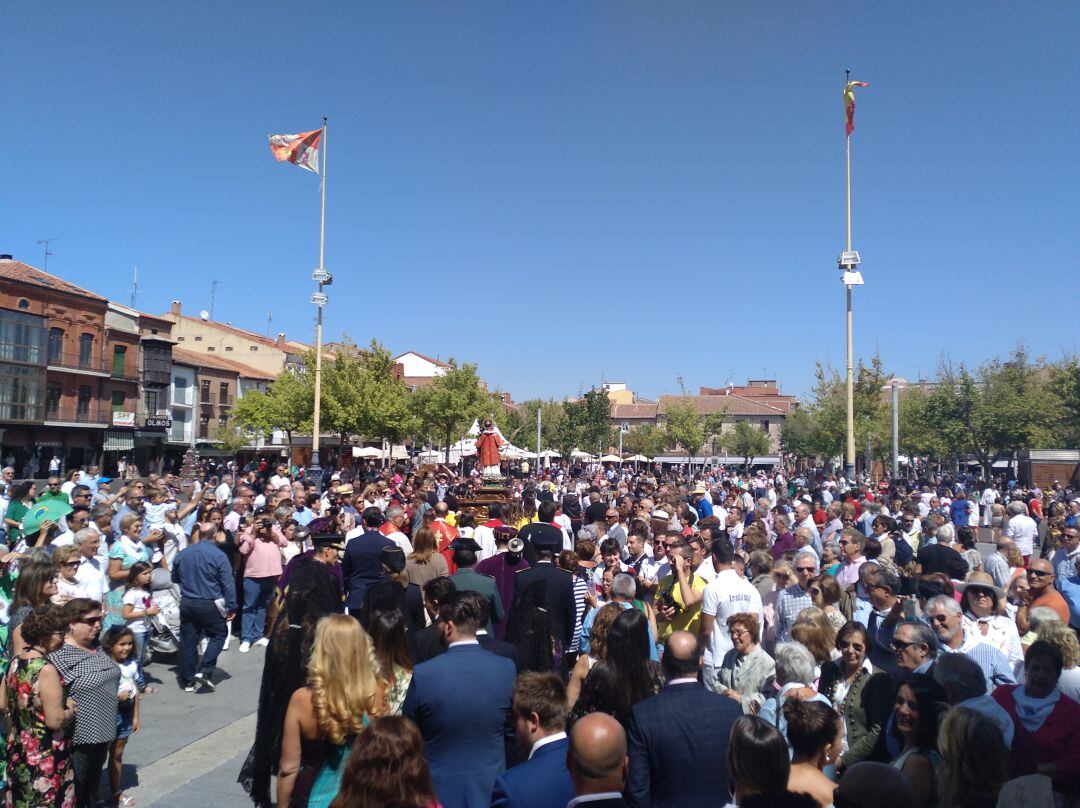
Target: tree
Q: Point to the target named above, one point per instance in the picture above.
(451, 401)
(340, 399)
(746, 442)
(684, 426)
(230, 437)
(646, 439)
(596, 421)
(519, 425)
(797, 435)
(570, 430)
(383, 406)
(288, 405)
(1065, 388)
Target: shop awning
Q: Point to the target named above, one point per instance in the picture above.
(118, 442)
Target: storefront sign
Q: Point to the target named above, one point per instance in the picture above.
(121, 418)
(158, 422)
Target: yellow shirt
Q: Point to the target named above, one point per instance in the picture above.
(451, 518)
(686, 619)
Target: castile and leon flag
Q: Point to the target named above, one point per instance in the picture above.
(300, 150)
(849, 104)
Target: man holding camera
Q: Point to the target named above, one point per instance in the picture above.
(260, 544)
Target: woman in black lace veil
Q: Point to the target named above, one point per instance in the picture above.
(312, 594)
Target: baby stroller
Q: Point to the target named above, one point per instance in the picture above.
(164, 636)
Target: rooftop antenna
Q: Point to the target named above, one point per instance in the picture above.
(213, 295)
(135, 286)
(269, 320)
(45, 243)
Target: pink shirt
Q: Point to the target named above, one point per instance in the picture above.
(848, 572)
(262, 558)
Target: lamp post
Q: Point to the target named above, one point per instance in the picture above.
(319, 299)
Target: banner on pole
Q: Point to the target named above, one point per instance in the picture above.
(300, 150)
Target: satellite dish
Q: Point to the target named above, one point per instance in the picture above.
(204, 314)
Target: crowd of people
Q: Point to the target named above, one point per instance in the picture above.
(590, 635)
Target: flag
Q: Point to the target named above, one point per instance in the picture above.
(300, 150)
(849, 104)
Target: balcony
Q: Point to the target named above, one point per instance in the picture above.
(77, 363)
(225, 401)
(69, 413)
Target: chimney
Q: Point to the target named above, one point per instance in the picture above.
(175, 308)
(280, 341)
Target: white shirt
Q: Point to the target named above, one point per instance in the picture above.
(401, 540)
(706, 570)
(729, 594)
(485, 537)
(1022, 530)
(221, 493)
(276, 481)
(91, 578)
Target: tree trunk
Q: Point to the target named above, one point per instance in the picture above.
(448, 446)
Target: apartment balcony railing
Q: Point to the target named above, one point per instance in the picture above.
(68, 413)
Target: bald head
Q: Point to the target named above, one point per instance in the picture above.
(442, 510)
(597, 755)
(682, 656)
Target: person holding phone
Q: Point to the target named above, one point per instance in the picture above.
(260, 545)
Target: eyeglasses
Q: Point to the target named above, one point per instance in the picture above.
(844, 645)
(980, 593)
(844, 542)
(90, 620)
(1038, 574)
(54, 485)
(899, 645)
(70, 564)
(806, 569)
(815, 591)
(940, 618)
(737, 632)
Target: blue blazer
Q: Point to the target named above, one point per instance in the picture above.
(460, 700)
(677, 743)
(543, 781)
(362, 565)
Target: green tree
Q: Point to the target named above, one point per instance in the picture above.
(596, 421)
(797, 436)
(570, 430)
(447, 405)
(383, 406)
(340, 398)
(287, 406)
(231, 437)
(683, 426)
(746, 442)
(519, 425)
(1065, 389)
(645, 439)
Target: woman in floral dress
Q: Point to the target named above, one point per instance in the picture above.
(39, 712)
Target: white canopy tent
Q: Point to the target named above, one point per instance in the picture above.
(637, 459)
(466, 447)
(367, 452)
(610, 458)
(577, 454)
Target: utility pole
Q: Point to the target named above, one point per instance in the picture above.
(45, 243)
(135, 286)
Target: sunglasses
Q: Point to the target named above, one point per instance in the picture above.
(899, 645)
(70, 564)
(844, 542)
(90, 620)
(806, 569)
(844, 645)
(1038, 574)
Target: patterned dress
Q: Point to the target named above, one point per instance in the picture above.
(39, 764)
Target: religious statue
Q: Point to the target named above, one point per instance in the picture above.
(488, 443)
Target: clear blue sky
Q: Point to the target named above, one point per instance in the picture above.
(633, 190)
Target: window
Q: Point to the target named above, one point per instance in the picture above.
(52, 400)
(765, 426)
(83, 407)
(179, 339)
(56, 344)
(119, 360)
(150, 401)
(223, 422)
(24, 303)
(228, 348)
(22, 337)
(198, 339)
(204, 426)
(86, 349)
(253, 348)
(157, 364)
(204, 391)
(223, 393)
(118, 399)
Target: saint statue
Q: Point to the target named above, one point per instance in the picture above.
(488, 443)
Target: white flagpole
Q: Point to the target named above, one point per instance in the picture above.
(319, 299)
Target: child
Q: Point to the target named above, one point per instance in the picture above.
(139, 607)
(154, 509)
(119, 643)
(67, 559)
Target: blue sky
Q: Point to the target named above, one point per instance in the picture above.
(563, 191)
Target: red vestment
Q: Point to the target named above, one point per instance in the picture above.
(487, 446)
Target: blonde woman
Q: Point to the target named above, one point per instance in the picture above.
(344, 691)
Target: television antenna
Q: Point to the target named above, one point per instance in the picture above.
(45, 243)
(213, 296)
(135, 286)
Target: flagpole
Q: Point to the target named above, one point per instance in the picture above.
(322, 277)
(848, 265)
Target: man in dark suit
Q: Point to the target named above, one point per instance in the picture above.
(596, 759)
(468, 579)
(678, 739)
(559, 584)
(539, 715)
(362, 564)
(459, 701)
(427, 643)
(489, 642)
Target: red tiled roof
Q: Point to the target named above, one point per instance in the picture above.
(642, 409)
(731, 405)
(185, 357)
(24, 273)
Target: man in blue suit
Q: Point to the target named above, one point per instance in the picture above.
(459, 701)
(677, 740)
(362, 564)
(539, 715)
(597, 762)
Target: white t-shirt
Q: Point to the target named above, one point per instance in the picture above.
(729, 594)
(1022, 530)
(140, 600)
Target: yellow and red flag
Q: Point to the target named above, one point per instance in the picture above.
(300, 150)
(849, 104)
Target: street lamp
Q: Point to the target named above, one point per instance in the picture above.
(319, 299)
